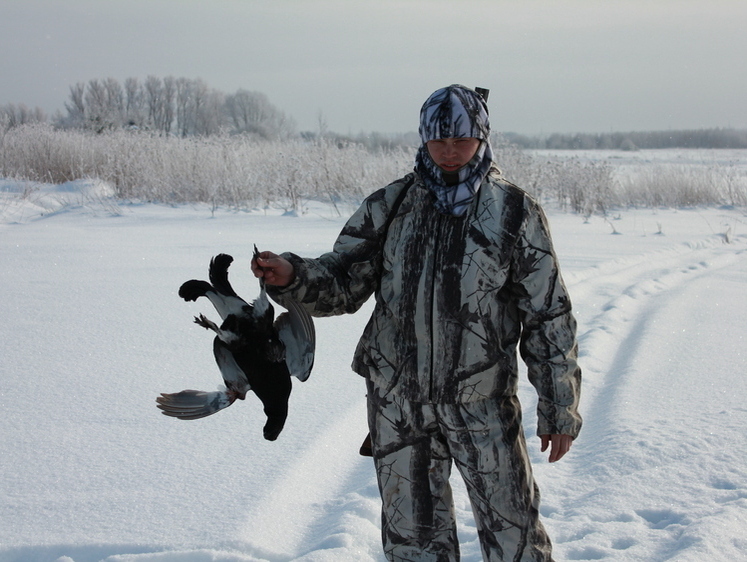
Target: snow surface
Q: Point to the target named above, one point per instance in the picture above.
(92, 331)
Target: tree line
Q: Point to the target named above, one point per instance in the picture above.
(188, 107)
(172, 106)
(694, 138)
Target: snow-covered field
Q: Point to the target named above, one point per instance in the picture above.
(92, 331)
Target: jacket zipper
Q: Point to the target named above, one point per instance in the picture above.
(436, 245)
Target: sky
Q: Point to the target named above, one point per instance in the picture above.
(368, 65)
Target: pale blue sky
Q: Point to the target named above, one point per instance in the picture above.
(367, 65)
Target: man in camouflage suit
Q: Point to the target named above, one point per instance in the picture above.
(463, 271)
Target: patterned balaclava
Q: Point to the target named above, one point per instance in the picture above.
(454, 112)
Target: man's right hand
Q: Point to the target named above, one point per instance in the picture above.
(274, 269)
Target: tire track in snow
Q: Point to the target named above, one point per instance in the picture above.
(626, 417)
(620, 302)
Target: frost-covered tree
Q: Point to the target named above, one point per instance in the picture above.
(201, 108)
(103, 105)
(76, 107)
(210, 114)
(186, 106)
(134, 114)
(12, 115)
(169, 98)
(252, 112)
(159, 98)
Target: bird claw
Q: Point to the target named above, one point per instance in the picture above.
(206, 323)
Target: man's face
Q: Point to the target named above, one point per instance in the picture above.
(452, 154)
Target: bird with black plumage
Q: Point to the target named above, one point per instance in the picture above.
(253, 350)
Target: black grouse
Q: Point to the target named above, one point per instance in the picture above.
(253, 351)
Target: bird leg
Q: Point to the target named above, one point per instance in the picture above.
(206, 323)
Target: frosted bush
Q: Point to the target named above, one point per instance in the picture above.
(668, 185)
(223, 170)
(245, 172)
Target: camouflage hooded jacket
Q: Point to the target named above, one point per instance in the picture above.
(455, 297)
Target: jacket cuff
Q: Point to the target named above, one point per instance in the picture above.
(563, 422)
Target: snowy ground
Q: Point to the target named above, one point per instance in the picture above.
(93, 331)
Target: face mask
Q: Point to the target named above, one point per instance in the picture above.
(454, 112)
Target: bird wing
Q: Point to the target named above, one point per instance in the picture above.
(296, 330)
(227, 305)
(232, 374)
(193, 404)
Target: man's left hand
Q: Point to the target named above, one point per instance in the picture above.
(559, 445)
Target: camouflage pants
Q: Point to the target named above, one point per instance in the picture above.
(414, 446)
